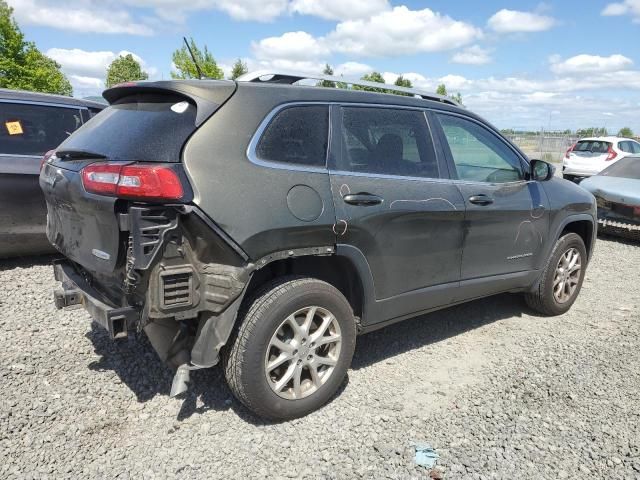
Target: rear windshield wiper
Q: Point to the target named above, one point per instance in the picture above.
(78, 154)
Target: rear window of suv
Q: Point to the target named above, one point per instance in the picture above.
(30, 129)
(145, 127)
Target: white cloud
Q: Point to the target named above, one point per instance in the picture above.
(512, 21)
(352, 69)
(77, 17)
(87, 70)
(627, 7)
(339, 9)
(474, 55)
(259, 10)
(293, 46)
(590, 64)
(92, 64)
(401, 30)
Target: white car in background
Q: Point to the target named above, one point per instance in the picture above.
(589, 156)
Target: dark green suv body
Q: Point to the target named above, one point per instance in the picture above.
(269, 224)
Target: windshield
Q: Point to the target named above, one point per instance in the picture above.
(149, 128)
(628, 167)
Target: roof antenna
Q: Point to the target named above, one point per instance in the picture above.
(193, 57)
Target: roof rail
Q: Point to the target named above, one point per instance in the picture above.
(289, 78)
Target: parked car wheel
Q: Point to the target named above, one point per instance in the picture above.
(571, 178)
(562, 277)
(292, 348)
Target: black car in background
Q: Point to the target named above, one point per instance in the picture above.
(31, 124)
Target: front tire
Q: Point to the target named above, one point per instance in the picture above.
(292, 349)
(561, 278)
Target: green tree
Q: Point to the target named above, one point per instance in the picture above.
(22, 65)
(187, 69)
(456, 98)
(239, 68)
(625, 132)
(372, 77)
(403, 82)
(327, 83)
(124, 69)
(442, 90)
(592, 132)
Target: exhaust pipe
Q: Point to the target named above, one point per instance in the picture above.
(180, 382)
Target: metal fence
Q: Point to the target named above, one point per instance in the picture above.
(545, 146)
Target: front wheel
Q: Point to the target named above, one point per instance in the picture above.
(562, 277)
(292, 348)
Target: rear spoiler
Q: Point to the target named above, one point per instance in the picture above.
(208, 95)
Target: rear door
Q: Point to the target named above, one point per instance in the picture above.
(506, 215)
(27, 131)
(395, 203)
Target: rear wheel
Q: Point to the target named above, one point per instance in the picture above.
(562, 277)
(292, 348)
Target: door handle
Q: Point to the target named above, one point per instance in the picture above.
(480, 199)
(362, 199)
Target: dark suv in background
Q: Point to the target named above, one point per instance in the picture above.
(268, 224)
(30, 125)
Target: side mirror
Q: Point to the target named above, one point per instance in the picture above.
(541, 171)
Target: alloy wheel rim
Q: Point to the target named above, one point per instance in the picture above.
(567, 275)
(303, 352)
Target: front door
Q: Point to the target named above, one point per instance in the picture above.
(396, 205)
(507, 215)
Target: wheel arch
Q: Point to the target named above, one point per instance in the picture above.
(582, 225)
(338, 269)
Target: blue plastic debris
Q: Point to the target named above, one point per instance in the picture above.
(425, 456)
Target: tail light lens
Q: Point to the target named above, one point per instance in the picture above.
(133, 181)
(611, 154)
(566, 155)
(46, 157)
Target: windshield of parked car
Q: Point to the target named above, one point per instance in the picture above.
(628, 167)
(593, 146)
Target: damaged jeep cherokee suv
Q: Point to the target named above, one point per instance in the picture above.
(265, 225)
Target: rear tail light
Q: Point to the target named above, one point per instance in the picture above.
(611, 154)
(566, 155)
(134, 181)
(46, 157)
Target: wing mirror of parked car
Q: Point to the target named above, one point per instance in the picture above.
(541, 170)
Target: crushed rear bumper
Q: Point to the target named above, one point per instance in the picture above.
(76, 291)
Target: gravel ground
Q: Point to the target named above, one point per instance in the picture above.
(498, 391)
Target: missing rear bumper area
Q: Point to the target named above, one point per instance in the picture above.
(75, 291)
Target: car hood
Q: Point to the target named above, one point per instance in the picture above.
(614, 189)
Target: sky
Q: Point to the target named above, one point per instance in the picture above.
(521, 64)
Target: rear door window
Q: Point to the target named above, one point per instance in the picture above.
(625, 147)
(297, 135)
(387, 141)
(30, 129)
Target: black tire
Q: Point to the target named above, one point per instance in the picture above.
(571, 178)
(542, 298)
(262, 315)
